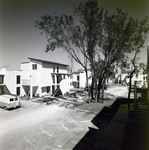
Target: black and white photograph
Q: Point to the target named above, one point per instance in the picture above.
(74, 75)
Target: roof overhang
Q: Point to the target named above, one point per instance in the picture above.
(45, 61)
(59, 73)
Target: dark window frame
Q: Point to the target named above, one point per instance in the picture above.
(18, 78)
(34, 66)
(18, 90)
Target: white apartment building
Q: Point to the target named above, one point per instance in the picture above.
(12, 79)
(78, 78)
(35, 78)
(140, 78)
(82, 83)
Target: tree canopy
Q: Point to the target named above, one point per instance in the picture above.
(104, 39)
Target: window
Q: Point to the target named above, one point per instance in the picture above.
(53, 68)
(34, 66)
(18, 79)
(18, 91)
(57, 69)
(11, 99)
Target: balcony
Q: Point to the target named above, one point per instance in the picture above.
(26, 82)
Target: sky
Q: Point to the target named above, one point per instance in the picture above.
(19, 39)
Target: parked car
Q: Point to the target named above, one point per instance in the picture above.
(8, 100)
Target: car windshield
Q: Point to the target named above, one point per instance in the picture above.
(4, 90)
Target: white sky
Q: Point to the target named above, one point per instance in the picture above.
(19, 38)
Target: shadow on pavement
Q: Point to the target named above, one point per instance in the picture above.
(136, 136)
(101, 120)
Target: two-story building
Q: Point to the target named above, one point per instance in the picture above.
(12, 79)
(35, 78)
(140, 78)
(78, 78)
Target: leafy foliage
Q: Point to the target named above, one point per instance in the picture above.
(92, 32)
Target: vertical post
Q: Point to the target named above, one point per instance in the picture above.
(40, 91)
(31, 88)
(148, 92)
(31, 92)
(148, 76)
(148, 89)
(56, 81)
(135, 99)
(135, 96)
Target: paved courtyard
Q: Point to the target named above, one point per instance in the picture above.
(43, 127)
(47, 127)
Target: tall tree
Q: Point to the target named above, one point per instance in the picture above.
(121, 35)
(137, 39)
(91, 18)
(92, 32)
(76, 34)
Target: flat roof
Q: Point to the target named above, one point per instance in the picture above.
(48, 61)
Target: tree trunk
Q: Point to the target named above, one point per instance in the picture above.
(98, 89)
(92, 89)
(102, 94)
(93, 80)
(129, 94)
(87, 85)
(130, 89)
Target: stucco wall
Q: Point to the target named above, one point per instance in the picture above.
(10, 80)
(37, 78)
